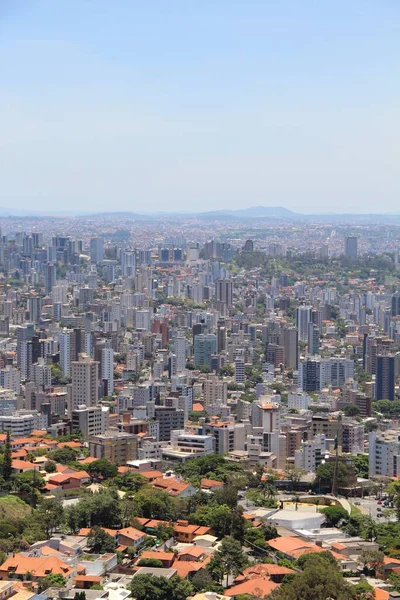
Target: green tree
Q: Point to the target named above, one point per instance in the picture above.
(100, 542)
(7, 460)
(352, 410)
(361, 465)
(325, 474)
(51, 580)
(63, 455)
(102, 467)
(49, 514)
(228, 560)
(50, 466)
(320, 579)
(80, 596)
(371, 558)
(334, 515)
(150, 587)
(150, 562)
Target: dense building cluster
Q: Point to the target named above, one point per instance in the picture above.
(150, 344)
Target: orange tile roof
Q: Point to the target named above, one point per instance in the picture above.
(23, 464)
(197, 407)
(39, 566)
(186, 567)
(209, 483)
(132, 533)
(253, 587)
(381, 594)
(62, 477)
(158, 555)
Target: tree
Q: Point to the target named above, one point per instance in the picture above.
(100, 542)
(361, 465)
(228, 559)
(325, 474)
(102, 467)
(203, 582)
(294, 475)
(50, 466)
(103, 509)
(150, 587)
(371, 558)
(80, 596)
(334, 515)
(51, 580)
(7, 460)
(352, 410)
(63, 455)
(320, 579)
(150, 562)
(49, 514)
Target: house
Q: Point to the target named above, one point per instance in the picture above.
(270, 571)
(210, 485)
(259, 588)
(19, 566)
(167, 558)
(192, 554)
(292, 548)
(69, 481)
(130, 537)
(22, 466)
(174, 487)
(85, 582)
(186, 533)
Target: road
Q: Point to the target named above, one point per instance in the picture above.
(370, 506)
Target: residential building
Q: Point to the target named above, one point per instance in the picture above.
(117, 447)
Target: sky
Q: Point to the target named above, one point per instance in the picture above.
(188, 105)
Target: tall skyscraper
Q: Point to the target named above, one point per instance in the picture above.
(128, 263)
(350, 247)
(303, 318)
(24, 335)
(313, 339)
(204, 346)
(224, 291)
(85, 381)
(64, 342)
(180, 345)
(385, 377)
(50, 277)
(291, 346)
(35, 309)
(107, 367)
(96, 249)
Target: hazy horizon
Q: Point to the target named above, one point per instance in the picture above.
(195, 107)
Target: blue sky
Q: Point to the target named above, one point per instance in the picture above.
(197, 105)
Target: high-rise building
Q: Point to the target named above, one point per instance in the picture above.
(291, 347)
(313, 339)
(64, 342)
(24, 335)
(205, 345)
(96, 250)
(385, 377)
(384, 453)
(128, 263)
(303, 318)
(116, 447)
(224, 291)
(90, 420)
(215, 390)
(50, 277)
(169, 418)
(240, 375)
(35, 309)
(85, 382)
(107, 367)
(350, 247)
(180, 345)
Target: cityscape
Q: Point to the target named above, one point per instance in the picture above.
(199, 300)
(208, 400)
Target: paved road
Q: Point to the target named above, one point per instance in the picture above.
(371, 506)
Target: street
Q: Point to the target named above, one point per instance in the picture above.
(370, 506)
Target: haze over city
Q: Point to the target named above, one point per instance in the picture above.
(189, 106)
